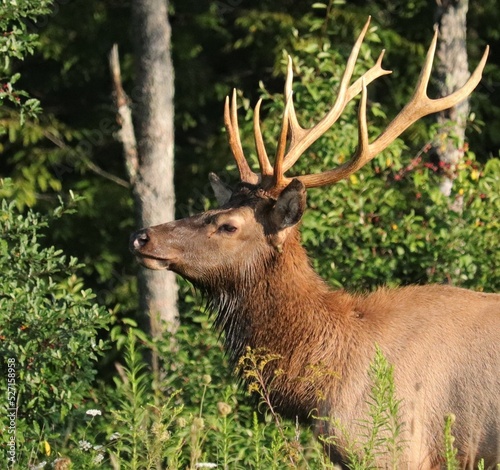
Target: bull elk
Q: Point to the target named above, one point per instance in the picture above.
(246, 257)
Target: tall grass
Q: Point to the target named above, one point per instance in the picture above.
(141, 432)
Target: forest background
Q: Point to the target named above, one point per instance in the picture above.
(74, 327)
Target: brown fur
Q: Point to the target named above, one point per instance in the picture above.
(442, 341)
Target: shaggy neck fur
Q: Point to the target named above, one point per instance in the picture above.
(283, 307)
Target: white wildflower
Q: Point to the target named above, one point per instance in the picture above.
(98, 458)
(205, 465)
(38, 466)
(93, 412)
(84, 445)
(114, 436)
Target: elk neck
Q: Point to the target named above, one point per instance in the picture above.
(284, 308)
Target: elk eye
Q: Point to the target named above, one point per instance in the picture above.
(228, 228)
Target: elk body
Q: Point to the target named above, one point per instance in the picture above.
(247, 258)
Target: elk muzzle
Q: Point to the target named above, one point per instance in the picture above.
(151, 254)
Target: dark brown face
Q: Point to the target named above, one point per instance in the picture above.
(222, 242)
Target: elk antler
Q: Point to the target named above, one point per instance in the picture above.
(420, 105)
(274, 180)
(231, 123)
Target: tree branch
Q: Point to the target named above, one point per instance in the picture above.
(124, 117)
(90, 164)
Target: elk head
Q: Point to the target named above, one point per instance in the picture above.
(257, 219)
(209, 247)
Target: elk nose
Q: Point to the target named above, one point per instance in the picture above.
(139, 239)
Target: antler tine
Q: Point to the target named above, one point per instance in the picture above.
(278, 173)
(266, 168)
(369, 76)
(425, 73)
(445, 102)
(231, 123)
(420, 105)
(296, 131)
(302, 138)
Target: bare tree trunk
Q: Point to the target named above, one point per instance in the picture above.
(149, 149)
(154, 116)
(453, 71)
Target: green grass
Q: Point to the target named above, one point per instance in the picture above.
(160, 427)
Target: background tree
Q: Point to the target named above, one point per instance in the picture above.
(453, 71)
(149, 149)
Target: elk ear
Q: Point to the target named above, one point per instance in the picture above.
(221, 191)
(290, 205)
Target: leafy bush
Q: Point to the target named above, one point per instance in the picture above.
(17, 42)
(143, 422)
(403, 232)
(49, 328)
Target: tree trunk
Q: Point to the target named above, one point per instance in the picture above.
(153, 181)
(453, 72)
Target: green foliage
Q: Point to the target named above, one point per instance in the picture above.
(251, 367)
(49, 325)
(134, 431)
(406, 232)
(230, 433)
(450, 451)
(16, 42)
(381, 434)
(71, 146)
(449, 448)
(205, 424)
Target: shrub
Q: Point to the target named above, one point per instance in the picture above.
(49, 328)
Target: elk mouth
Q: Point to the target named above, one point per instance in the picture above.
(153, 262)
